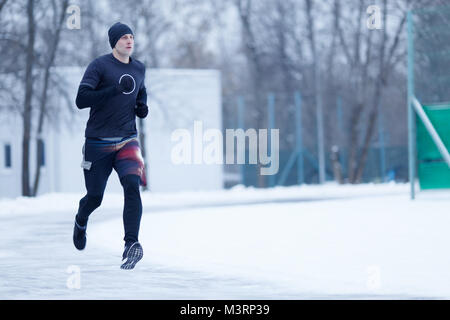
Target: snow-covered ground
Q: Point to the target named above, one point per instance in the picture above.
(308, 242)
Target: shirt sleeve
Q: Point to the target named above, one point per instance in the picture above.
(142, 94)
(92, 75)
(88, 97)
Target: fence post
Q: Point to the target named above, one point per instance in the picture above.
(411, 118)
(299, 141)
(381, 143)
(340, 117)
(270, 125)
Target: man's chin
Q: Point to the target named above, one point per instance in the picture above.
(125, 53)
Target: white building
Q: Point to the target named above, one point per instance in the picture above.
(176, 99)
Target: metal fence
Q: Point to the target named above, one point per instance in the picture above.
(295, 118)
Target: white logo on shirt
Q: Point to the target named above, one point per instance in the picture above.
(134, 82)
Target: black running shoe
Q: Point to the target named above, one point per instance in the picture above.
(132, 254)
(79, 236)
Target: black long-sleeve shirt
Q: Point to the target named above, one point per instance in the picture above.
(112, 112)
(88, 97)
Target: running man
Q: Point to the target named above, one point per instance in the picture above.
(114, 90)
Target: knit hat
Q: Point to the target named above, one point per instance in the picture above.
(116, 31)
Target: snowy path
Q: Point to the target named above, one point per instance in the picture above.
(37, 252)
(299, 243)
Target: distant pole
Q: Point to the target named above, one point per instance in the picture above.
(411, 118)
(270, 125)
(299, 142)
(340, 117)
(241, 124)
(382, 144)
(320, 134)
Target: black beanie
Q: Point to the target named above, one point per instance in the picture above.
(116, 31)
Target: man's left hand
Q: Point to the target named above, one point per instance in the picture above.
(141, 110)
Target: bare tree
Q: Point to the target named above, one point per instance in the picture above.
(52, 51)
(369, 75)
(358, 70)
(386, 64)
(2, 4)
(254, 58)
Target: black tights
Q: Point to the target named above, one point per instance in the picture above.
(132, 210)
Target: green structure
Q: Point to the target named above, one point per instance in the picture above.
(428, 96)
(433, 171)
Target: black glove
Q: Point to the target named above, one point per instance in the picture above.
(126, 84)
(141, 110)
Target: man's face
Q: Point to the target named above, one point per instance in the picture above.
(125, 45)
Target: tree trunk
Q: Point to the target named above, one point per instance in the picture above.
(337, 169)
(27, 103)
(354, 143)
(256, 71)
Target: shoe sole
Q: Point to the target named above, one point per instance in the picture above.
(135, 253)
